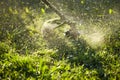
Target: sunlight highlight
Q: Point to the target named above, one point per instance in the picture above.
(95, 39)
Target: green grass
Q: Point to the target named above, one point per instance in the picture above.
(42, 65)
(25, 55)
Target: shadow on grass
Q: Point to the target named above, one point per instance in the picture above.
(80, 53)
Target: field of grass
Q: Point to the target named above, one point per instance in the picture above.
(46, 64)
(26, 55)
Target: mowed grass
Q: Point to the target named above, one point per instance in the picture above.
(43, 65)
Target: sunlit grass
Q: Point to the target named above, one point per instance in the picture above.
(64, 58)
